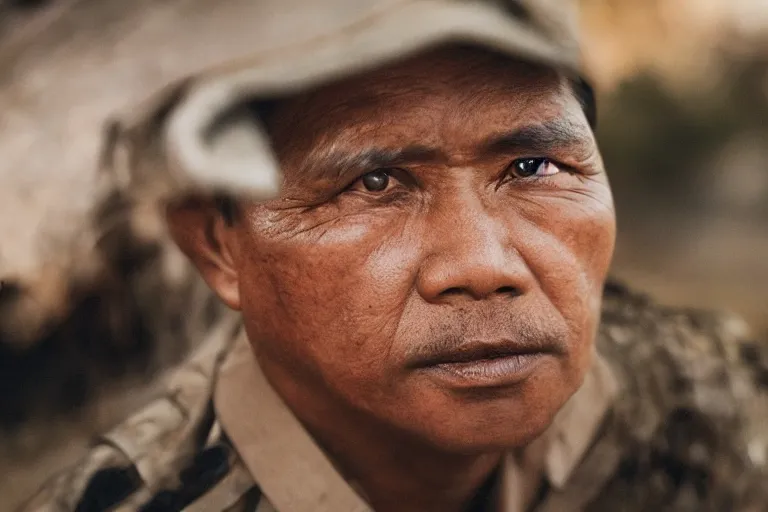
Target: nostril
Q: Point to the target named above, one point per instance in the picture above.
(452, 291)
(508, 290)
(455, 291)
(9, 291)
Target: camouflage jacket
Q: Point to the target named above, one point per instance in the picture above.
(671, 419)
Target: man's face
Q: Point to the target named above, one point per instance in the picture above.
(436, 257)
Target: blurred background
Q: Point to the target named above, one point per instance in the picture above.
(684, 133)
(683, 87)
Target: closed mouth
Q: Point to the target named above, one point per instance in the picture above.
(484, 364)
(480, 351)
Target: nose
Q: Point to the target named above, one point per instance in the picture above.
(473, 257)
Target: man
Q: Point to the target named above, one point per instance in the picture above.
(420, 299)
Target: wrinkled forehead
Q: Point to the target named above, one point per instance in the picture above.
(467, 89)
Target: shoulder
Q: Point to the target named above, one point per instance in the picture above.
(166, 456)
(693, 405)
(212, 479)
(681, 361)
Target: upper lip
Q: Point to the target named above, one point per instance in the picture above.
(478, 350)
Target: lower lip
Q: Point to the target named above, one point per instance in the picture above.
(488, 373)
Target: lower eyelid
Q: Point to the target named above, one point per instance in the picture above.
(366, 201)
(551, 181)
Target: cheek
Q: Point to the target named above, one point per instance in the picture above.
(333, 302)
(587, 234)
(569, 245)
(580, 230)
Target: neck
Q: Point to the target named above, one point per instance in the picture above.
(397, 477)
(394, 471)
(399, 473)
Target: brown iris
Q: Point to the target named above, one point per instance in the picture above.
(376, 181)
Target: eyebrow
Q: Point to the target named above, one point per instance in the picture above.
(381, 157)
(540, 138)
(341, 163)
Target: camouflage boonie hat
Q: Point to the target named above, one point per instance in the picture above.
(196, 135)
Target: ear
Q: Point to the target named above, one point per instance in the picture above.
(199, 228)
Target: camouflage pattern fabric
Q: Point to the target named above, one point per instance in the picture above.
(693, 412)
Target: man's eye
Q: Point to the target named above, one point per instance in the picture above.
(374, 181)
(527, 167)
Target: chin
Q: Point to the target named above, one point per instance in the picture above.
(484, 438)
(498, 424)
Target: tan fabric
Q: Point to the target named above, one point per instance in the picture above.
(279, 452)
(578, 421)
(273, 445)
